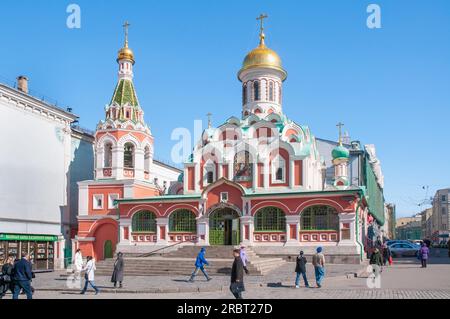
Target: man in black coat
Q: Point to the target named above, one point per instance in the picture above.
(22, 277)
(117, 275)
(300, 269)
(237, 275)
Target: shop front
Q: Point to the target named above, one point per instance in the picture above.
(41, 249)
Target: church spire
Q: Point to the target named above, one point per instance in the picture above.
(262, 36)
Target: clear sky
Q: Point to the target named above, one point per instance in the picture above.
(390, 86)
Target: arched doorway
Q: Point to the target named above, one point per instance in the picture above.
(108, 249)
(224, 227)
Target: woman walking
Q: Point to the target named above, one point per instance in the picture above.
(386, 255)
(117, 275)
(424, 253)
(6, 282)
(319, 266)
(89, 275)
(300, 269)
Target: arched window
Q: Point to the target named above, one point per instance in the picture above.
(243, 168)
(244, 94)
(256, 91)
(270, 219)
(278, 170)
(147, 157)
(107, 155)
(319, 218)
(128, 155)
(144, 222)
(271, 91)
(182, 220)
(209, 172)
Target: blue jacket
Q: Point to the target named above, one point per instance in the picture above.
(22, 270)
(201, 260)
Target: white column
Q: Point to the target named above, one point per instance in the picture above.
(266, 170)
(99, 161)
(203, 231)
(139, 164)
(160, 223)
(197, 177)
(249, 222)
(293, 220)
(255, 176)
(291, 173)
(117, 162)
(230, 170)
(123, 224)
(219, 171)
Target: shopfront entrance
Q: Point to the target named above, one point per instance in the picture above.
(41, 249)
(224, 227)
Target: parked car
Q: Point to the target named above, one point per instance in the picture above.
(391, 242)
(404, 249)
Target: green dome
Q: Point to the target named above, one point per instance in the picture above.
(181, 178)
(340, 152)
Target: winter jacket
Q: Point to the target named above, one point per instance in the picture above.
(22, 270)
(424, 252)
(237, 271)
(300, 264)
(386, 253)
(376, 259)
(201, 260)
(90, 270)
(7, 272)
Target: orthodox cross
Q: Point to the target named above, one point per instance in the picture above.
(125, 27)
(340, 125)
(261, 19)
(209, 120)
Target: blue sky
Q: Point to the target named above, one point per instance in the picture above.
(391, 86)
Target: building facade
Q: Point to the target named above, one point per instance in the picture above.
(427, 223)
(440, 216)
(35, 205)
(259, 179)
(409, 228)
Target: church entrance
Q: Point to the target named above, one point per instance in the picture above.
(224, 227)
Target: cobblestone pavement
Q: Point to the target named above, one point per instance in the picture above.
(404, 280)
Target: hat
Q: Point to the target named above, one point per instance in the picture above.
(319, 249)
(301, 252)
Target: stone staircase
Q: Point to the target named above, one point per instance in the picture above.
(181, 262)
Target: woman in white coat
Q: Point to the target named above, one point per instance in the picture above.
(89, 275)
(78, 264)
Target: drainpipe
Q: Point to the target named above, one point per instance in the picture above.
(357, 230)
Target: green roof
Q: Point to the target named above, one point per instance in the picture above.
(125, 93)
(340, 152)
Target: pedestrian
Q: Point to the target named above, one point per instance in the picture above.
(117, 275)
(448, 246)
(244, 258)
(300, 269)
(386, 255)
(200, 263)
(424, 253)
(237, 275)
(89, 275)
(77, 264)
(22, 277)
(318, 262)
(6, 281)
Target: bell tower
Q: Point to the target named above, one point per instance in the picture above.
(123, 141)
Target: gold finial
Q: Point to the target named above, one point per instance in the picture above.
(340, 125)
(209, 115)
(262, 36)
(125, 27)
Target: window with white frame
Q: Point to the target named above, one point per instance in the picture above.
(224, 197)
(278, 170)
(111, 199)
(97, 201)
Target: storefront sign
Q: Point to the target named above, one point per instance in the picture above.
(28, 237)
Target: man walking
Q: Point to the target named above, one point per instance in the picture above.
(237, 275)
(89, 275)
(22, 277)
(200, 263)
(300, 269)
(319, 266)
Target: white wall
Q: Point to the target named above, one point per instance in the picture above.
(163, 173)
(34, 158)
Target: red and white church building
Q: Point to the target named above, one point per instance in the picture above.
(257, 179)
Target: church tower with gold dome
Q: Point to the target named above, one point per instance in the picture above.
(262, 76)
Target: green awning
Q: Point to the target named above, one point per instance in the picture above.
(19, 237)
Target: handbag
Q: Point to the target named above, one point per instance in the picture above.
(391, 261)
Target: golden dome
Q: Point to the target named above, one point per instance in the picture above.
(263, 57)
(126, 54)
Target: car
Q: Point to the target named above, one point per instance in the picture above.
(404, 249)
(391, 242)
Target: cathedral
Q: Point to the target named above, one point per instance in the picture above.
(258, 179)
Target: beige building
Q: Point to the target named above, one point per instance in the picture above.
(426, 224)
(440, 216)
